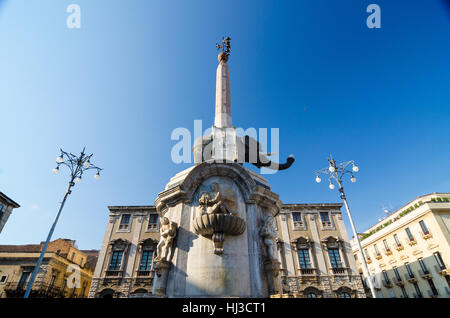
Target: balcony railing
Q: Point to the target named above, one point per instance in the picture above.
(339, 270)
(387, 283)
(398, 281)
(412, 241)
(433, 294)
(38, 289)
(387, 251)
(326, 224)
(447, 289)
(147, 273)
(113, 273)
(308, 271)
(425, 273)
(426, 235)
(411, 278)
(442, 271)
(399, 246)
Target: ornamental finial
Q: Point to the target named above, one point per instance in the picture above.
(225, 47)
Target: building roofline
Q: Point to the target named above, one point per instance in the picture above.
(392, 215)
(312, 205)
(9, 200)
(131, 207)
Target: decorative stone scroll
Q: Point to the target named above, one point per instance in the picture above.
(218, 216)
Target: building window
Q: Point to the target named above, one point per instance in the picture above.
(386, 245)
(408, 232)
(410, 272)
(397, 241)
(367, 253)
(83, 290)
(3, 279)
(404, 293)
(311, 295)
(433, 288)
(146, 260)
(303, 257)
(116, 261)
(153, 222)
(397, 274)
(423, 266)
(52, 281)
(335, 258)
(125, 221)
(344, 295)
(73, 256)
(424, 227)
(386, 277)
(23, 279)
(439, 260)
(356, 257)
(325, 218)
(1, 211)
(377, 252)
(297, 219)
(417, 289)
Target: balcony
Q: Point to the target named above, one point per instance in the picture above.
(378, 256)
(123, 227)
(113, 273)
(307, 271)
(398, 281)
(411, 278)
(426, 235)
(387, 251)
(339, 270)
(39, 290)
(447, 289)
(433, 294)
(441, 271)
(399, 247)
(326, 224)
(412, 241)
(387, 283)
(425, 274)
(148, 273)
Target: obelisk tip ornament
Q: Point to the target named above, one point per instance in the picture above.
(223, 106)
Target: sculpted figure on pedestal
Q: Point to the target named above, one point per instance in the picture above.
(168, 231)
(217, 201)
(269, 235)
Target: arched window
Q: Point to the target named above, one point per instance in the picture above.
(147, 249)
(118, 254)
(344, 292)
(312, 292)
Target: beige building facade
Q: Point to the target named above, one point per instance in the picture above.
(313, 249)
(65, 272)
(408, 252)
(6, 207)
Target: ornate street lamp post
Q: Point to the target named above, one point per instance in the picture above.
(336, 172)
(77, 165)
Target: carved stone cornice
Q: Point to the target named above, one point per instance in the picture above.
(183, 188)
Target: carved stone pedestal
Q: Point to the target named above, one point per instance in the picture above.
(162, 270)
(272, 269)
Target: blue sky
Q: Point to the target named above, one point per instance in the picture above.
(136, 70)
